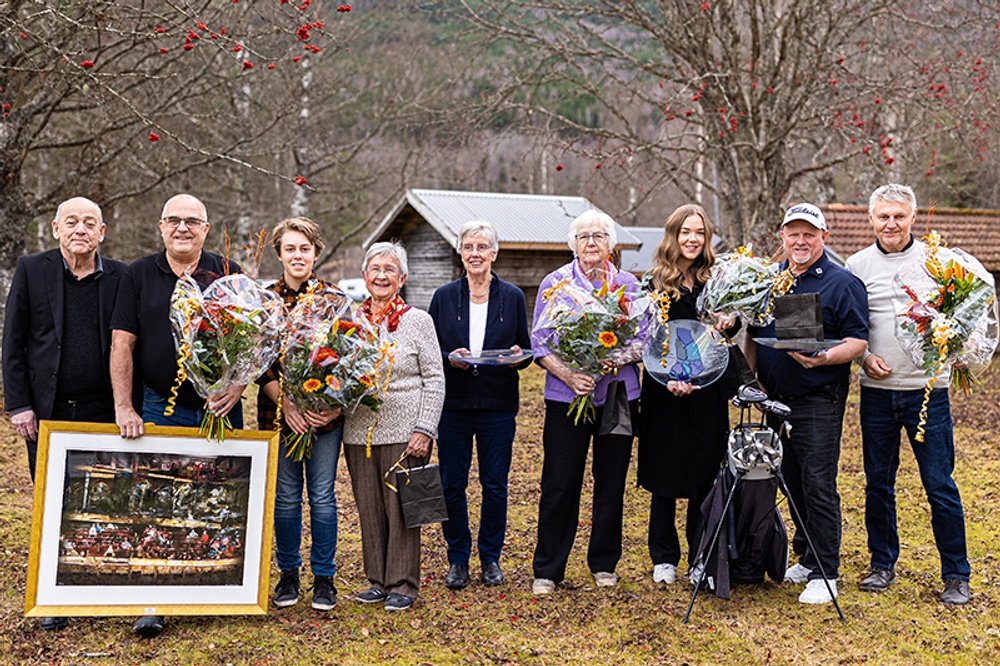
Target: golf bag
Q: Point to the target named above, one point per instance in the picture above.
(753, 540)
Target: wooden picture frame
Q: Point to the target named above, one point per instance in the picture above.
(167, 524)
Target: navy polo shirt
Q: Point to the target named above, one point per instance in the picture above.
(844, 302)
(143, 309)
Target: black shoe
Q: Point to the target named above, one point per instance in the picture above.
(324, 593)
(149, 626)
(458, 576)
(372, 595)
(492, 574)
(877, 580)
(398, 602)
(286, 593)
(52, 623)
(956, 591)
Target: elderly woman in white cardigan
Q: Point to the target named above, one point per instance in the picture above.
(407, 421)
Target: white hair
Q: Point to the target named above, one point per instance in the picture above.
(588, 218)
(895, 193)
(478, 228)
(394, 249)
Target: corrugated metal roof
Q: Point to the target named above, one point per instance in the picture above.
(639, 260)
(519, 219)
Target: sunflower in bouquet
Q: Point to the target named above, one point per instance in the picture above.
(587, 328)
(744, 285)
(330, 362)
(951, 317)
(225, 335)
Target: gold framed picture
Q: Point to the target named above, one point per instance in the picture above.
(167, 524)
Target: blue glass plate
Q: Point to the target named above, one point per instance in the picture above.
(693, 353)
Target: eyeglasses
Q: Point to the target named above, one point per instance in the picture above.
(190, 222)
(481, 249)
(387, 271)
(597, 237)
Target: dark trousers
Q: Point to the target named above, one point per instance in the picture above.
(95, 411)
(812, 455)
(884, 414)
(494, 435)
(664, 546)
(565, 457)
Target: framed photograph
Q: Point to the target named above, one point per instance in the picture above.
(167, 524)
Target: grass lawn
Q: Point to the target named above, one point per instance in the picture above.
(635, 623)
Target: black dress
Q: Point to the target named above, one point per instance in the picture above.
(682, 440)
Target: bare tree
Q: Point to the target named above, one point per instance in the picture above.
(755, 101)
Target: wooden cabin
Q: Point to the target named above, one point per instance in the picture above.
(532, 231)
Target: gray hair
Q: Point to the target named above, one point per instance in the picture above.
(589, 217)
(893, 192)
(394, 249)
(478, 228)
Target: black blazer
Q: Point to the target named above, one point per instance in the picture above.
(33, 328)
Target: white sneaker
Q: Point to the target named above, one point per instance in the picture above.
(816, 592)
(797, 574)
(605, 579)
(543, 586)
(665, 573)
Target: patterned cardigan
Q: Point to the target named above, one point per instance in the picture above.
(416, 387)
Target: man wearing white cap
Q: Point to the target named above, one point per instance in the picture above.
(815, 387)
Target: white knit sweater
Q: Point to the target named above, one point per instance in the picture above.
(416, 387)
(877, 270)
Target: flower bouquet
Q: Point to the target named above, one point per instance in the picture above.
(586, 328)
(329, 362)
(951, 317)
(745, 285)
(226, 335)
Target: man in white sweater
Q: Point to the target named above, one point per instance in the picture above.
(892, 390)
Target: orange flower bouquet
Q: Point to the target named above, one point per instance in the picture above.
(950, 321)
(330, 362)
(587, 328)
(226, 335)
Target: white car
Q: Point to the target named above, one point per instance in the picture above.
(353, 287)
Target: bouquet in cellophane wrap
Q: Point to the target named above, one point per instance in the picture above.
(329, 362)
(225, 335)
(951, 317)
(584, 328)
(744, 285)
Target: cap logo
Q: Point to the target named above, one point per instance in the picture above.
(798, 210)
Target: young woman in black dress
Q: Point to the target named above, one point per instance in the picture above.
(683, 429)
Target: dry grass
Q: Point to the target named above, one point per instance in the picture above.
(637, 623)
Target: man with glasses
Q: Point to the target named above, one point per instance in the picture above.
(55, 338)
(141, 337)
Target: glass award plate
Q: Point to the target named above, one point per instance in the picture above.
(494, 357)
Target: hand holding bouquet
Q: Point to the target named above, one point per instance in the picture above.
(744, 285)
(330, 362)
(589, 330)
(226, 335)
(951, 317)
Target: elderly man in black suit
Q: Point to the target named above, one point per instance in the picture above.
(57, 331)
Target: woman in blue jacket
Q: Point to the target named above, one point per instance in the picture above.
(476, 312)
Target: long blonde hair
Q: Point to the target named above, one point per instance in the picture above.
(667, 275)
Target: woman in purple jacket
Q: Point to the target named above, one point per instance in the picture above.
(592, 237)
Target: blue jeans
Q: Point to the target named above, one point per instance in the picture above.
(883, 414)
(320, 478)
(809, 466)
(153, 405)
(494, 434)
